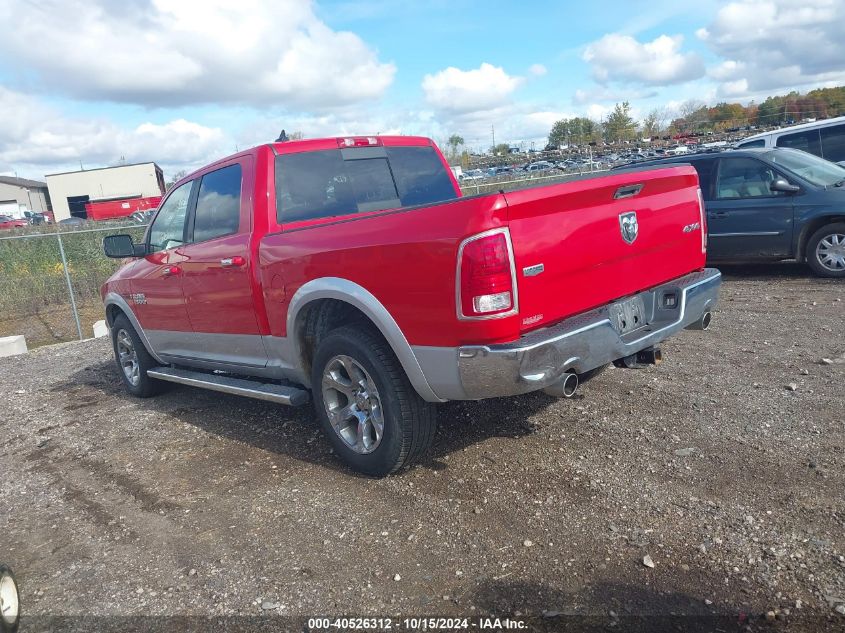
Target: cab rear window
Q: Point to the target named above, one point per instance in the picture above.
(330, 183)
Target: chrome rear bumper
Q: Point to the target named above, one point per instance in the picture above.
(578, 344)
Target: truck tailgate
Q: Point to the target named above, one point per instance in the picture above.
(570, 245)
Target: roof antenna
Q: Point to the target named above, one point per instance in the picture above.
(282, 137)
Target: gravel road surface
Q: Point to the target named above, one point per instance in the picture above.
(711, 485)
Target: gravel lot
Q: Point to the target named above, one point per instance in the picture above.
(724, 466)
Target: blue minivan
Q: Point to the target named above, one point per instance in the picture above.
(771, 204)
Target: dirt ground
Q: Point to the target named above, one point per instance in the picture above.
(725, 466)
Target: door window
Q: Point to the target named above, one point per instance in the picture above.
(168, 228)
(760, 142)
(218, 210)
(833, 143)
(807, 141)
(745, 178)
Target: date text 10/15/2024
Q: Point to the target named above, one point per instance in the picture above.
(417, 624)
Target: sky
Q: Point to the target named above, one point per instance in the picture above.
(185, 82)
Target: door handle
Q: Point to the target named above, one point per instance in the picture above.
(720, 214)
(229, 262)
(170, 271)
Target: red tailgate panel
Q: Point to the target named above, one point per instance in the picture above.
(574, 231)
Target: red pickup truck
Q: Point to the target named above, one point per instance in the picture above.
(353, 269)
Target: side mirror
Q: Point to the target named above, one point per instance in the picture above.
(122, 246)
(782, 185)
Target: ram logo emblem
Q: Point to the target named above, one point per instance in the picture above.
(629, 226)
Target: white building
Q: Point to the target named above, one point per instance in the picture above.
(19, 194)
(70, 191)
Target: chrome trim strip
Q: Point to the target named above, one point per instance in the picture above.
(115, 299)
(748, 234)
(458, 308)
(361, 298)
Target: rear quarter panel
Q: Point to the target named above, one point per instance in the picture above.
(405, 258)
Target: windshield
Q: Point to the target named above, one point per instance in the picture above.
(813, 169)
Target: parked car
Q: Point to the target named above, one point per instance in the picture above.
(500, 170)
(473, 174)
(825, 139)
(772, 204)
(72, 221)
(8, 222)
(33, 217)
(142, 217)
(353, 269)
(539, 166)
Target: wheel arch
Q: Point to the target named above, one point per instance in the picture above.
(117, 305)
(810, 227)
(324, 302)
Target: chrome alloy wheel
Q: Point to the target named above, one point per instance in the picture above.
(127, 357)
(353, 404)
(9, 601)
(831, 252)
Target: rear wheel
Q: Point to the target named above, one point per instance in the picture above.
(133, 360)
(375, 420)
(826, 251)
(10, 607)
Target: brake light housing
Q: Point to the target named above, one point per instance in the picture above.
(486, 277)
(358, 141)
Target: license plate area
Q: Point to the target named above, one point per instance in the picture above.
(628, 315)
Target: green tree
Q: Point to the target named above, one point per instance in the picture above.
(455, 141)
(500, 149)
(619, 125)
(559, 134)
(174, 179)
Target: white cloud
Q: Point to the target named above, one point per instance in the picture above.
(43, 140)
(173, 52)
(538, 70)
(660, 62)
(736, 88)
(484, 88)
(776, 45)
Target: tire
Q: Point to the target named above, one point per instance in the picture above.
(125, 340)
(357, 377)
(830, 239)
(10, 609)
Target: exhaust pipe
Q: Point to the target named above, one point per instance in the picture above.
(648, 356)
(703, 323)
(565, 387)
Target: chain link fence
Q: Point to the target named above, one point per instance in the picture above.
(50, 276)
(50, 280)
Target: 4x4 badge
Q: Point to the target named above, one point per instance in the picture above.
(629, 227)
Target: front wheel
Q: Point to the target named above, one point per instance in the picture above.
(375, 420)
(826, 251)
(133, 360)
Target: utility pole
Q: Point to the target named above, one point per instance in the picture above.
(493, 132)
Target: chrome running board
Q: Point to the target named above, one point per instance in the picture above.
(271, 392)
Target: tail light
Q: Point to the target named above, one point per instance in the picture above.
(486, 284)
(702, 215)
